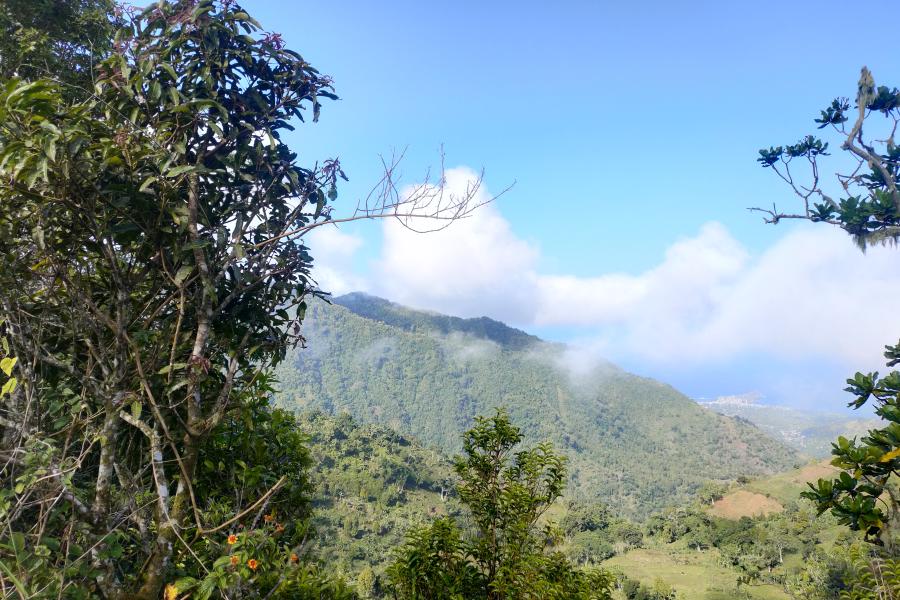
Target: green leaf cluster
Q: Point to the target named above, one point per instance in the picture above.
(56, 39)
(868, 207)
(150, 278)
(504, 549)
(864, 496)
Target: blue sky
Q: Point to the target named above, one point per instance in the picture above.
(627, 130)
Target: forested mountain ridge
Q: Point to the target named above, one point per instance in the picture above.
(397, 315)
(632, 441)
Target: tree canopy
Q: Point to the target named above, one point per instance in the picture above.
(868, 202)
(151, 277)
(504, 555)
(865, 496)
(59, 39)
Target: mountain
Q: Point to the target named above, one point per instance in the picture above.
(810, 432)
(634, 443)
(389, 313)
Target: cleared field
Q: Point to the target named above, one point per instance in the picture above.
(698, 575)
(743, 503)
(694, 575)
(785, 487)
(769, 495)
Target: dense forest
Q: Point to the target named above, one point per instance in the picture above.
(185, 414)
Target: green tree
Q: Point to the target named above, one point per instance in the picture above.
(864, 496)
(507, 552)
(153, 274)
(711, 491)
(62, 39)
(365, 583)
(634, 590)
(662, 590)
(151, 277)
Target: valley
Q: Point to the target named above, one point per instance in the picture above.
(196, 405)
(372, 485)
(385, 391)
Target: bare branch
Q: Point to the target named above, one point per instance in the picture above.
(424, 207)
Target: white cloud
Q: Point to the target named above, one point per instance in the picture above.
(686, 284)
(333, 252)
(812, 293)
(708, 300)
(474, 267)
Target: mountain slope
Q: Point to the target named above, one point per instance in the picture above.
(632, 442)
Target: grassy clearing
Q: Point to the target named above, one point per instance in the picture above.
(786, 487)
(694, 575)
(743, 503)
(698, 575)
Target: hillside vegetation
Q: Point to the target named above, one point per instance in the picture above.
(756, 540)
(373, 488)
(632, 441)
(155, 287)
(371, 485)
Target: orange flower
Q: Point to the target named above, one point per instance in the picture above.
(279, 528)
(294, 557)
(234, 560)
(171, 592)
(232, 540)
(269, 518)
(252, 564)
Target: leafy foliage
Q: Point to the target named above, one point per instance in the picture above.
(594, 533)
(864, 496)
(660, 590)
(150, 263)
(504, 555)
(870, 207)
(371, 485)
(255, 450)
(871, 576)
(856, 571)
(57, 39)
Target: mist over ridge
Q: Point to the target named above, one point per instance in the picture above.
(634, 441)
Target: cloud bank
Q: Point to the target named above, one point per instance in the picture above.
(708, 300)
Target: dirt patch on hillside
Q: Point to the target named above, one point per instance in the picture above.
(821, 470)
(742, 503)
